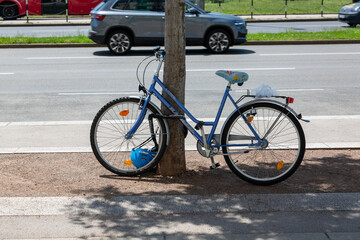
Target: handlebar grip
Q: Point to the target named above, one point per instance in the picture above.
(159, 53)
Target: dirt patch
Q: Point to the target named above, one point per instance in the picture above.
(79, 174)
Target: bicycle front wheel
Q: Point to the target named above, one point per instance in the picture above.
(121, 155)
(282, 143)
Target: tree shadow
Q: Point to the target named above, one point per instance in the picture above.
(316, 174)
(320, 172)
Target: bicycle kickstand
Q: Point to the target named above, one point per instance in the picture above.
(213, 164)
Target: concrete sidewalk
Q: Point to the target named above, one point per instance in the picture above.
(323, 132)
(178, 204)
(312, 216)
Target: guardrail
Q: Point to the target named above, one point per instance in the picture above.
(273, 7)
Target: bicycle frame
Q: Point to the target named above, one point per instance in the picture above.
(213, 124)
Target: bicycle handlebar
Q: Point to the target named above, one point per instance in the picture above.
(159, 53)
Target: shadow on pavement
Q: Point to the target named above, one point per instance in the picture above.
(79, 174)
(321, 171)
(201, 52)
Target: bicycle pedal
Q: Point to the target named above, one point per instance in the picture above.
(215, 166)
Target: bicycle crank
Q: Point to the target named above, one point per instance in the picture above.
(201, 149)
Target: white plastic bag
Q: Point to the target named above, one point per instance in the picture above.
(264, 91)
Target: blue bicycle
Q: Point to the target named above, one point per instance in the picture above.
(262, 140)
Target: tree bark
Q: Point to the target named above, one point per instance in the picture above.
(173, 161)
(201, 4)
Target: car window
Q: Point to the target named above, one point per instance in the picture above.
(120, 5)
(187, 8)
(147, 5)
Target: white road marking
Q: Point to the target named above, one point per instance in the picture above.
(96, 93)
(300, 90)
(290, 90)
(88, 122)
(308, 54)
(44, 123)
(56, 58)
(7, 73)
(134, 92)
(241, 69)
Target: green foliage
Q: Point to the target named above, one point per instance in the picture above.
(341, 33)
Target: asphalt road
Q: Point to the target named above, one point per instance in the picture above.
(73, 83)
(253, 27)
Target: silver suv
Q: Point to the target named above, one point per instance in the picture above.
(122, 24)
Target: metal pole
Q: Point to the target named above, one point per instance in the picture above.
(219, 6)
(27, 11)
(286, 8)
(67, 10)
(252, 9)
(322, 8)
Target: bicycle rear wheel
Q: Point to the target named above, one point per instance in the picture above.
(281, 152)
(121, 155)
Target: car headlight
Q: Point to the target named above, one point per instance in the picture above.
(239, 23)
(357, 9)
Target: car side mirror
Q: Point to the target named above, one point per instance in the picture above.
(193, 11)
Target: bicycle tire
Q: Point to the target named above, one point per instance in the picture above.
(107, 136)
(273, 162)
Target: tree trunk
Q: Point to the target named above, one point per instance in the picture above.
(173, 161)
(201, 4)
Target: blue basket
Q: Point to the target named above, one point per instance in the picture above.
(140, 157)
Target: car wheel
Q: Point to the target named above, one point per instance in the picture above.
(9, 11)
(352, 24)
(218, 41)
(119, 42)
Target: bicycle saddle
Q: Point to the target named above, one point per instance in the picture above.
(233, 76)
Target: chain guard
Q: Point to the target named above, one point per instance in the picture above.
(200, 148)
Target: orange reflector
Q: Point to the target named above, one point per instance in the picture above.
(280, 165)
(128, 162)
(124, 113)
(249, 120)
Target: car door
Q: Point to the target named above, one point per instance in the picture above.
(194, 25)
(145, 19)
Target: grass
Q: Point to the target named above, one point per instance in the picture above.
(276, 6)
(346, 33)
(29, 40)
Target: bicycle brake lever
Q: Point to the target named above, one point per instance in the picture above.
(142, 88)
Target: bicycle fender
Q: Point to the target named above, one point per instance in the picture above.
(165, 121)
(292, 111)
(271, 101)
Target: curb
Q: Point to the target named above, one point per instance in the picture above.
(32, 24)
(304, 42)
(44, 24)
(179, 204)
(51, 45)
